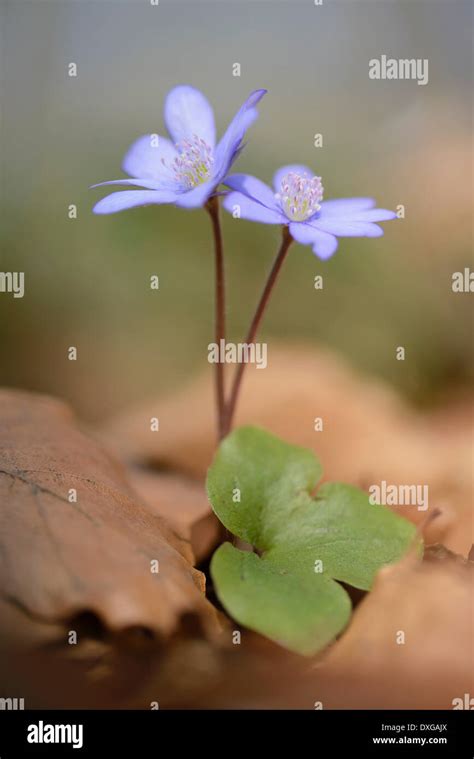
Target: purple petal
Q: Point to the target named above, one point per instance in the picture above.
(343, 228)
(345, 206)
(324, 244)
(252, 187)
(376, 214)
(251, 209)
(196, 197)
(188, 113)
(148, 184)
(373, 214)
(296, 168)
(144, 158)
(302, 232)
(120, 201)
(230, 143)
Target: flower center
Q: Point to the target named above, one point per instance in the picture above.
(193, 165)
(300, 196)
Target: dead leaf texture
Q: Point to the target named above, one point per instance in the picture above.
(74, 538)
(411, 639)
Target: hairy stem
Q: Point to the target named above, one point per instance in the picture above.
(255, 324)
(212, 207)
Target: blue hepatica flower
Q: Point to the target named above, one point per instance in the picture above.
(186, 169)
(297, 202)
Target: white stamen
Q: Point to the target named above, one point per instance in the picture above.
(193, 165)
(300, 196)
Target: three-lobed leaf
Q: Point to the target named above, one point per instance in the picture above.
(261, 489)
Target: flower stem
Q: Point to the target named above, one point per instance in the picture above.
(212, 207)
(255, 324)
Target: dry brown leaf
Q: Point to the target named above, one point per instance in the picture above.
(429, 606)
(66, 562)
(182, 501)
(369, 435)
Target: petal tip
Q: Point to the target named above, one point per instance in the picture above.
(97, 209)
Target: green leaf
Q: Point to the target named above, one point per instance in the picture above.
(271, 477)
(302, 614)
(261, 489)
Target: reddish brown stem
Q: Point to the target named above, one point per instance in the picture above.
(212, 207)
(255, 324)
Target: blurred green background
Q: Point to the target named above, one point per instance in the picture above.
(87, 280)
